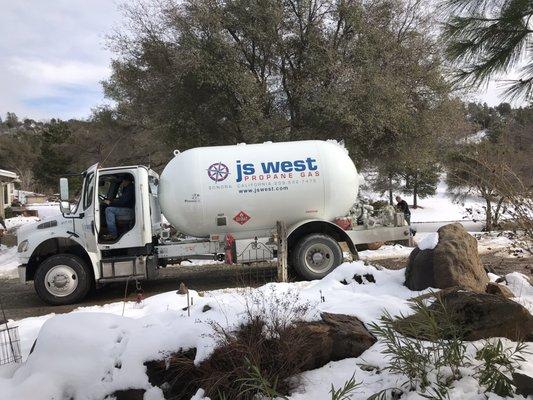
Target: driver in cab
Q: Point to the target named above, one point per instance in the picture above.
(122, 206)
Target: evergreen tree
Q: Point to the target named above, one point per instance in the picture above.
(53, 160)
(11, 120)
(487, 38)
(421, 182)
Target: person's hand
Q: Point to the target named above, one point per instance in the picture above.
(108, 202)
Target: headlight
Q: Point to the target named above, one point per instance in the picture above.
(23, 246)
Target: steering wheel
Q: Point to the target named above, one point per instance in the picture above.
(101, 197)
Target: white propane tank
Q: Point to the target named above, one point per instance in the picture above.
(245, 189)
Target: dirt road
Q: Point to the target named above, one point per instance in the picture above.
(21, 301)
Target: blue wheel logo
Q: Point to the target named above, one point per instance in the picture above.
(218, 171)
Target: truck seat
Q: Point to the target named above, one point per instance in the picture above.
(125, 223)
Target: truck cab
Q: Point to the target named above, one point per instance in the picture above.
(66, 255)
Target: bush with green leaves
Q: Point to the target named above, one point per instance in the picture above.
(430, 352)
(499, 362)
(258, 384)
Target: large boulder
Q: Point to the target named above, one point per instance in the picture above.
(336, 337)
(478, 315)
(419, 274)
(454, 262)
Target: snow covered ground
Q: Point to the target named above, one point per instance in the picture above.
(496, 242)
(441, 207)
(94, 351)
(8, 261)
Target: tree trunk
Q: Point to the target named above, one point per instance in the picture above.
(488, 214)
(497, 212)
(390, 190)
(415, 191)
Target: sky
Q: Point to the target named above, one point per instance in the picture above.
(53, 57)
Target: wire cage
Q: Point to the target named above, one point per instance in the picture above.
(9, 345)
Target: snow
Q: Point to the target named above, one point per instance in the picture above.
(496, 242)
(385, 252)
(8, 262)
(45, 210)
(93, 351)
(429, 242)
(475, 138)
(8, 255)
(442, 206)
(12, 224)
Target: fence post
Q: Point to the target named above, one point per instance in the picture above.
(282, 252)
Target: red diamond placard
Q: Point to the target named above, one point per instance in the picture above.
(241, 218)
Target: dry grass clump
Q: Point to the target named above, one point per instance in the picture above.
(260, 356)
(263, 354)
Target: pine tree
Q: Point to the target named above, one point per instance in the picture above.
(487, 38)
(53, 161)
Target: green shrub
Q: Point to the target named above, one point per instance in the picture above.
(346, 391)
(498, 365)
(429, 343)
(415, 347)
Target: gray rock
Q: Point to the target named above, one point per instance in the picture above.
(454, 262)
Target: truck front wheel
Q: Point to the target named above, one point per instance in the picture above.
(62, 279)
(316, 255)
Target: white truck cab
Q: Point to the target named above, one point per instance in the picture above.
(65, 255)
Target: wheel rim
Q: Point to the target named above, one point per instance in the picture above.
(319, 258)
(61, 280)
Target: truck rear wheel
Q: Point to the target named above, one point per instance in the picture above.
(62, 279)
(316, 255)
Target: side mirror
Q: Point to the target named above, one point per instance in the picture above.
(63, 194)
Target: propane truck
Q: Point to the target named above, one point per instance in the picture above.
(225, 202)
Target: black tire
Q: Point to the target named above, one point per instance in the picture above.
(67, 270)
(303, 253)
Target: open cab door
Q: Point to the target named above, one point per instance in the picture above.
(90, 209)
(137, 233)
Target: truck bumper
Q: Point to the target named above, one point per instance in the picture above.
(22, 273)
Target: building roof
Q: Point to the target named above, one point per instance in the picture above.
(8, 175)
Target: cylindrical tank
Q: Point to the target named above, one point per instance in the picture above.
(245, 189)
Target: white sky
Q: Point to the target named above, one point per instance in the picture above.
(53, 58)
